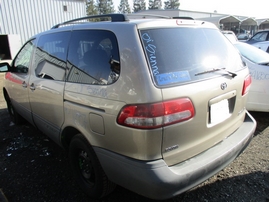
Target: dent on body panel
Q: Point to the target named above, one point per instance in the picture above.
(85, 120)
(104, 98)
(77, 117)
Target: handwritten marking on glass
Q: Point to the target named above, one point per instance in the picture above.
(151, 51)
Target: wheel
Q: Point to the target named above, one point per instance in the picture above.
(14, 116)
(87, 169)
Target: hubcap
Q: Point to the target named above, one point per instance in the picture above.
(86, 168)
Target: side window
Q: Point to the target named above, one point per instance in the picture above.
(261, 36)
(23, 58)
(93, 57)
(50, 57)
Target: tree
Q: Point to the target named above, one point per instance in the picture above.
(171, 4)
(124, 7)
(91, 8)
(139, 5)
(155, 4)
(105, 7)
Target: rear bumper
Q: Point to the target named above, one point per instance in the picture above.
(154, 179)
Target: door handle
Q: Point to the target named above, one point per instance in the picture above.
(24, 84)
(32, 86)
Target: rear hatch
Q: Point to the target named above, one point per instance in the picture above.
(199, 68)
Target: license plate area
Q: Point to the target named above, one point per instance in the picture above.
(220, 111)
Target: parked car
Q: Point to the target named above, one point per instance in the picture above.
(154, 105)
(243, 37)
(258, 64)
(260, 40)
(230, 35)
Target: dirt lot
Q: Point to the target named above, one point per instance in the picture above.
(33, 168)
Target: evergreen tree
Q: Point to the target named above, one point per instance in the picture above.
(105, 7)
(124, 7)
(139, 5)
(155, 4)
(171, 4)
(91, 8)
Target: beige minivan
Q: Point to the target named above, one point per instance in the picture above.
(154, 105)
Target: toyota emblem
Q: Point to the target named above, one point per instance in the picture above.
(223, 86)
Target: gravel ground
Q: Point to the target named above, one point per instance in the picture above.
(33, 168)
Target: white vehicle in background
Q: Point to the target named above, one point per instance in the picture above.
(260, 40)
(243, 37)
(262, 45)
(258, 64)
(230, 35)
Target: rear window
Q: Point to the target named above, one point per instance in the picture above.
(179, 55)
(93, 57)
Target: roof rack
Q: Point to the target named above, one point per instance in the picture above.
(183, 17)
(148, 15)
(115, 17)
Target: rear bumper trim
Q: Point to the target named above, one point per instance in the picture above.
(154, 179)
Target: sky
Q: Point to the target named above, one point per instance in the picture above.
(257, 8)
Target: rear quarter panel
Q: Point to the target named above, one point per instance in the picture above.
(84, 104)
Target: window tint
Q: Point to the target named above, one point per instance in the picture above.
(179, 55)
(51, 55)
(23, 59)
(93, 57)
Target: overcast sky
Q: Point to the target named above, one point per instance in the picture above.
(256, 8)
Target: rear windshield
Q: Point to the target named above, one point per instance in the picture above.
(180, 55)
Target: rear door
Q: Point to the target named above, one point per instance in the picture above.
(47, 83)
(200, 68)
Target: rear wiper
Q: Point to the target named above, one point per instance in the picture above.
(232, 74)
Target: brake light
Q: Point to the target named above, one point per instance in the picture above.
(246, 86)
(148, 116)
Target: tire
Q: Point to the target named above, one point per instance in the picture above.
(14, 116)
(87, 169)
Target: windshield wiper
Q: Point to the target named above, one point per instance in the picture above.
(232, 74)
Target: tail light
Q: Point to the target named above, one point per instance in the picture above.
(149, 116)
(246, 86)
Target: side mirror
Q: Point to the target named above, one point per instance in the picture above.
(5, 67)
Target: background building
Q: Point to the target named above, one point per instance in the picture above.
(29, 17)
(235, 23)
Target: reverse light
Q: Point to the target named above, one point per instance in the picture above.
(247, 84)
(149, 116)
